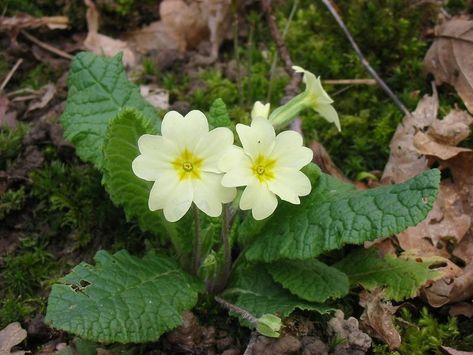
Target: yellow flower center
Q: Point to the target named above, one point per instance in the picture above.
(187, 165)
(263, 168)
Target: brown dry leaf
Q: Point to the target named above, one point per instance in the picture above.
(185, 25)
(46, 94)
(24, 21)
(101, 44)
(156, 96)
(449, 58)
(451, 351)
(377, 318)
(150, 38)
(461, 309)
(7, 118)
(451, 289)
(441, 138)
(12, 335)
(446, 221)
(419, 142)
(404, 160)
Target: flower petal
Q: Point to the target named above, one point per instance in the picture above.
(232, 157)
(259, 199)
(209, 194)
(289, 152)
(149, 169)
(172, 195)
(212, 146)
(258, 138)
(184, 131)
(260, 110)
(172, 125)
(329, 113)
(289, 184)
(162, 191)
(153, 145)
(238, 176)
(181, 201)
(314, 85)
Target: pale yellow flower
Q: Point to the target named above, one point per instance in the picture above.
(268, 165)
(314, 97)
(183, 163)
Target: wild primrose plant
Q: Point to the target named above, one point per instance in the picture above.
(241, 211)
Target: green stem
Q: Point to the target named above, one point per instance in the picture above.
(285, 114)
(197, 247)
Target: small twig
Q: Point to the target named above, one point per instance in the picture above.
(46, 46)
(10, 74)
(278, 39)
(251, 343)
(275, 60)
(350, 82)
(240, 311)
(363, 60)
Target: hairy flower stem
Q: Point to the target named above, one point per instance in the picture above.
(219, 283)
(240, 311)
(197, 247)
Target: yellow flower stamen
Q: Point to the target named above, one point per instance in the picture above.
(187, 165)
(263, 168)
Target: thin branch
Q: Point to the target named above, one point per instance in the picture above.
(240, 311)
(10, 74)
(365, 63)
(350, 82)
(275, 59)
(46, 46)
(251, 343)
(278, 38)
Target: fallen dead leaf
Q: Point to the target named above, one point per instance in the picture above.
(419, 142)
(185, 25)
(156, 96)
(377, 318)
(446, 221)
(46, 94)
(404, 160)
(461, 309)
(451, 289)
(451, 351)
(12, 335)
(449, 58)
(101, 44)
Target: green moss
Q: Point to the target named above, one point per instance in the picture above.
(39, 76)
(10, 143)
(389, 32)
(14, 309)
(12, 200)
(13, 7)
(427, 335)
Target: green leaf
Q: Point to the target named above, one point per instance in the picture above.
(253, 289)
(218, 115)
(335, 214)
(402, 277)
(311, 279)
(98, 91)
(122, 298)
